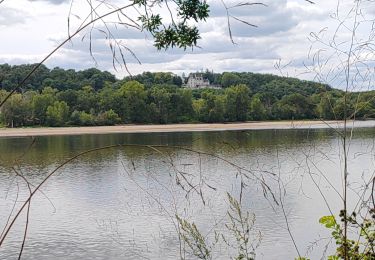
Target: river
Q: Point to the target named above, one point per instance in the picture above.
(121, 202)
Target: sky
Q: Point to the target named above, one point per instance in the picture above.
(280, 44)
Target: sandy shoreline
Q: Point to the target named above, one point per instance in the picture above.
(43, 131)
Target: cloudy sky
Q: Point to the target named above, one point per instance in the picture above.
(30, 29)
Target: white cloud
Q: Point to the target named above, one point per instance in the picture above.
(282, 32)
(11, 16)
(55, 2)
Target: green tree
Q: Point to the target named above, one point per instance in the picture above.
(177, 80)
(95, 78)
(198, 106)
(213, 107)
(86, 99)
(160, 98)
(257, 109)
(16, 112)
(237, 102)
(57, 114)
(294, 106)
(229, 79)
(108, 98)
(41, 102)
(82, 118)
(325, 107)
(181, 106)
(344, 108)
(133, 99)
(109, 117)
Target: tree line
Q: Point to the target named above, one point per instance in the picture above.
(61, 97)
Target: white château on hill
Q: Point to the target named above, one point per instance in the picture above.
(197, 81)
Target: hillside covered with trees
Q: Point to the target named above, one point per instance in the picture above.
(58, 97)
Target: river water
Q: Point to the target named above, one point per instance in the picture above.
(121, 202)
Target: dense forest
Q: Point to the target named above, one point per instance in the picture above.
(58, 97)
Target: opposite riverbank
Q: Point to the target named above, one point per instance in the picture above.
(44, 131)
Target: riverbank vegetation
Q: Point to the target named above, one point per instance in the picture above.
(61, 97)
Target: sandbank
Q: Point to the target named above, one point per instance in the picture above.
(45, 131)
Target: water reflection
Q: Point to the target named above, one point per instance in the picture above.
(120, 203)
(51, 149)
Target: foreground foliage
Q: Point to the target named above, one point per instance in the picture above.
(240, 236)
(362, 245)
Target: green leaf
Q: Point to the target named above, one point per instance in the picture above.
(328, 221)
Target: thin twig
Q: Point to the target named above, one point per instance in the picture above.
(27, 213)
